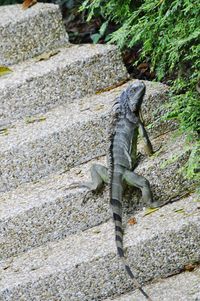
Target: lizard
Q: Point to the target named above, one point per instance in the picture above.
(126, 124)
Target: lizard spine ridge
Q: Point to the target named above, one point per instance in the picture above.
(122, 157)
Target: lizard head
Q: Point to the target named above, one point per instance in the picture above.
(135, 93)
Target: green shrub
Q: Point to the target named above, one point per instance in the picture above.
(7, 2)
(169, 32)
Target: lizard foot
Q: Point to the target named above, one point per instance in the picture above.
(154, 204)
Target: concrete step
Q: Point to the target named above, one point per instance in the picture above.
(49, 210)
(84, 266)
(181, 287)
(67, 136)
(27, 33)
(37, 85)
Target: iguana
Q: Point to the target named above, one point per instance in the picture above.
(122, 157)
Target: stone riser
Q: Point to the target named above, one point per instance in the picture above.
(27, 33)
(181, 287)
(85, 266)
(76, 71)
(68, 136)
(50, 211)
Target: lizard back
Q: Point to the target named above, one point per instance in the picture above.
(122, 156)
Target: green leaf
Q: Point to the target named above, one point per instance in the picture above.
(4, 131)
(4, 70)
(150, 211)
(181, 210)
(35, 119)
(95, 38)
(46, 55)
(103, 28)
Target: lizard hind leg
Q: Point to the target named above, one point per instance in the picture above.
(133, 179)
(99, 176)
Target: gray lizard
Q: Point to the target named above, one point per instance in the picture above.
(122, 157)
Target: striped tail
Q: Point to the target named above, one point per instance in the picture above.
(117, 216)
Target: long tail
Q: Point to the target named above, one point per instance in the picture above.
(116, 207)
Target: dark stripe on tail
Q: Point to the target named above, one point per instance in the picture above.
(129, 271)
(117, 217)
(118, 229)
(132, 276)
(115, 202)
(118, 238)
(120, 252)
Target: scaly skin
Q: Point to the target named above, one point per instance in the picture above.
(122, 159)
(122, 156)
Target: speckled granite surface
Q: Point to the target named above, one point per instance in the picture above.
(74, 72)
(27, 33)
(57, 242)
(49, 210)
(84, 266)
(67, 136)
(181, 287)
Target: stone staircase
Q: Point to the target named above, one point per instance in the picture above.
(57, 243)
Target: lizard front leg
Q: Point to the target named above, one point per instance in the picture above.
(147, 143)
(133, 179)
(148, 148)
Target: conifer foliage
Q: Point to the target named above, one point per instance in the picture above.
(169, 32)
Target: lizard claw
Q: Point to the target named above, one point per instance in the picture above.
(154, 204)
(76, 185)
